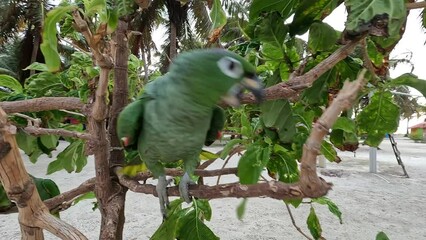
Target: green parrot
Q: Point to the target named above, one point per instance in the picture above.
(177, 113)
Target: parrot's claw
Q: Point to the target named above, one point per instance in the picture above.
(162, 195)
(185, 181)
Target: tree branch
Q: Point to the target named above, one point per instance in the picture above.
(37, 131)
(33, 214)
(415, 5)
(296, 84)
(85, 187)
(43, 104)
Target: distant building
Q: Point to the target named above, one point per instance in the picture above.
(418, 129)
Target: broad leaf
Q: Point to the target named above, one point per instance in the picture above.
(322, 37)
(285, 8)
(71, 159)
(190, 227)
(332, 207)
(283, 166)
(252, 163)
(218, 17)
(278, 115)
(346, 124)
(317, 94)
(204, 210)
(314, 224)
(206, 155)
(272, 31)
(26, 142)
(329, 152)
(381, 116)
(38, 67)
(10, 83)
(410, 80)
(382, 236)
(49, 47)
(167, 230)
(362, 12)
(309, 11)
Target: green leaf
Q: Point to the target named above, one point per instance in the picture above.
(218, 16)
(167, 230)
(374, 54)
(94, 6)
(241, 209)
(346, 124)
(246, 128)
(204, 210)
(38, 67)
(294, 202)
(45, 84)
(322, 37)
(35, 154)
(229, 146)
(26, 142)
(49, 141)
(283, 165)
(410, 80)
(285, 8)
(49, 46)
(314, 225)
(382, 236)
(206, 155)
(381, 116)
(190, 227)
(317, 94)
(332, 207)
(54, 166)
(272, 31)
(86, 196)
(278, 115)
(362, 12)
(71, 159)
(252, 163)
(309, 11)
(5, 203)
(329, 152)
(11, 83)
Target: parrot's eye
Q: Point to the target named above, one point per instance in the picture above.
(231, 67)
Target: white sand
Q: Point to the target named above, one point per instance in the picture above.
(369, 202)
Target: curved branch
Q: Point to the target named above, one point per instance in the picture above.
(43, 104)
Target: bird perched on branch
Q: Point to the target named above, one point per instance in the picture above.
(178, 113)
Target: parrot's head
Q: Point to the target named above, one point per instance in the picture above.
(215, 74)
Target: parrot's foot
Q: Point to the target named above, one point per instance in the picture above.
(185, 181)
(162, 194)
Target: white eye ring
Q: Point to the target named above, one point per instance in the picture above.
(231, 67)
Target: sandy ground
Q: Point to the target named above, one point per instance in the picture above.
(370, 203)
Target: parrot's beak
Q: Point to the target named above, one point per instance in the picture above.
(254, 85)
(235, 94)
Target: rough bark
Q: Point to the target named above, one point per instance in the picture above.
(43, 104)
(33, 216)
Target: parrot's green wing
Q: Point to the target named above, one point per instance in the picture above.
(216, 125)
(130, 122)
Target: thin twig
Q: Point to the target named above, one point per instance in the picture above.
(73, 113)
(415, 5)
(293, 221)
(31, 121)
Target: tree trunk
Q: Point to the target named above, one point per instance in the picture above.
(173, 41)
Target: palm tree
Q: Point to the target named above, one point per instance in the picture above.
(21, 21)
